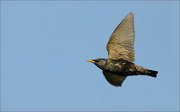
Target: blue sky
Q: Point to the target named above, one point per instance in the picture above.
(45, 45)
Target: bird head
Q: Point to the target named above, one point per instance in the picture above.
(100, 62)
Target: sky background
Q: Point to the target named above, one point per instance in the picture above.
(45, 45)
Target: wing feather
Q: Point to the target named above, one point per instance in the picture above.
(121, 42)
(114, 79)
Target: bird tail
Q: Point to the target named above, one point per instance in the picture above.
(152, 73)
(144, 71)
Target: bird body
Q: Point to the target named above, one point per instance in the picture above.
(122, 67)
(120, 62)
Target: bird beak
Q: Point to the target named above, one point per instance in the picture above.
(92, 61)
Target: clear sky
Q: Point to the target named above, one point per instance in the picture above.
(45, 45)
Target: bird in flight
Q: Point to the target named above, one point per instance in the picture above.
(120, 62)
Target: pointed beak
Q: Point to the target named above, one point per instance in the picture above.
(92, 61)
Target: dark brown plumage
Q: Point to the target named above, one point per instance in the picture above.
(120, 60)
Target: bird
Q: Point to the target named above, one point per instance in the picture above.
(120, 62)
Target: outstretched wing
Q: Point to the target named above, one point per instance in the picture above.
(121, 42)
(114, 79)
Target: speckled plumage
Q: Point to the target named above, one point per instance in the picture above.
(121, 67)
(120, 60)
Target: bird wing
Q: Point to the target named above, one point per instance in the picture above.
(121, 42)
(114, 79)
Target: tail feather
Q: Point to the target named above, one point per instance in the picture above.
(152, 73)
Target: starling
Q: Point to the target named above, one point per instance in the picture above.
(120, 60)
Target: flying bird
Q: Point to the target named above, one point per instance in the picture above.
(120, 63)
